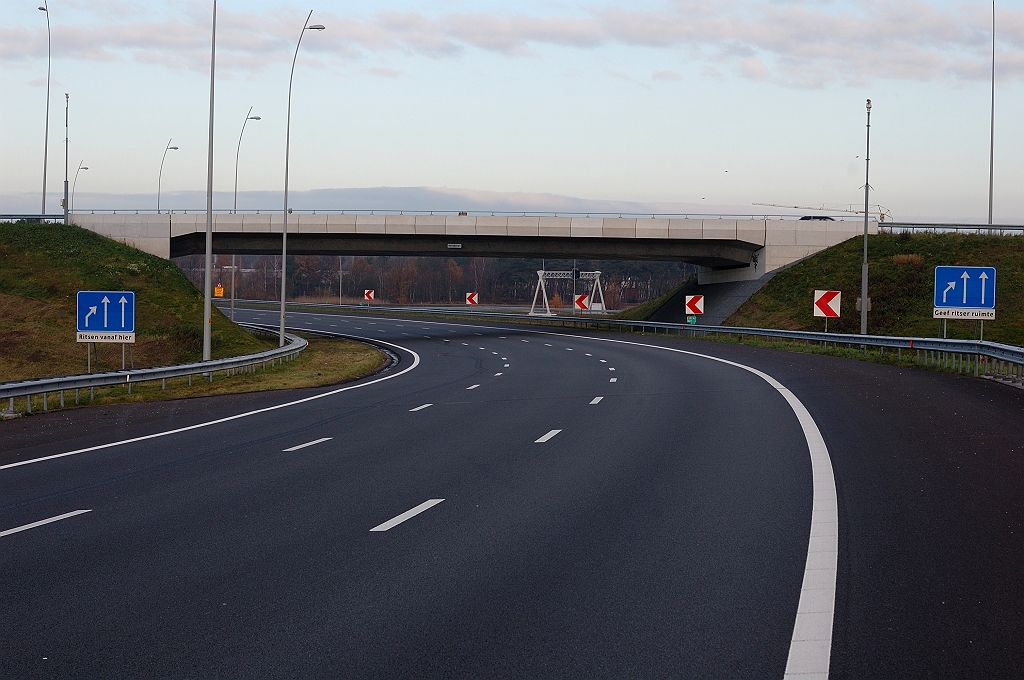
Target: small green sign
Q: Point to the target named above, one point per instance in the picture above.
(692, 318)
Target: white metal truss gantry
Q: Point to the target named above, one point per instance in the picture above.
(596, 291)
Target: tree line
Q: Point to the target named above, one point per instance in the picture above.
(433, 280)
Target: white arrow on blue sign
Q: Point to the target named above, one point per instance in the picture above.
(106, 316)
(965, 293)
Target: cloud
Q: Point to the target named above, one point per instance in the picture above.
(798, 43)
(665, 75)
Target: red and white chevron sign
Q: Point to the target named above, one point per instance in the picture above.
(471, 299)
(583, 301)
(694, 304)
(826, 303)
(368, 295)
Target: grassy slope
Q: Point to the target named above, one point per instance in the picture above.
(900, 290)
(41, 268)
(643, 311)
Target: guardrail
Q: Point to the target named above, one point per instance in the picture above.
(980, 357)
(90, 381)
(942, 228)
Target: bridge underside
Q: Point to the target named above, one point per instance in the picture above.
(714, 254)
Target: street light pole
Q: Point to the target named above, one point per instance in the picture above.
(287, 148)
(75, 183)
(864, 264)
(67, 102)
(46, 138)
(208, 287)
(992, 123)
(234, 208)
(160, 177)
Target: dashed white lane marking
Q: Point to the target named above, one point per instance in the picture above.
(613, 380)
(472, 387)
(493, 352)
(610, 368)
(497, 374)
(589, 355)
(408, 514)
(524, 341)
(312, 443)
(465, 344)
(506, 366)
(447, 340)
(603, 361)
(547, 344)
(334, 325)
(420, 408)
(504, 358)
(218, 421)
(568, 349)
(546, 437)
(596, 400)
(33, 525)
(501, 337)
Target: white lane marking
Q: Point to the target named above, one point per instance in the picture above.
(477, 333)
(603, 361)
(415, 363)
(596, 400)
(472, 387)
(504, 358)
(480, 348)
(420, 408)
(465, 344)
(312, 443)
(405, 334)
(447, 340)
(524, 341)
(501, 337)
(398, 325)
(613, 380)
(546, 437)
(590, 355)
(33, 525)
(493, 352)
(497, 374)
(547, 345)
(506, 366)
(610, 368)
(334, 325)
(408, 514)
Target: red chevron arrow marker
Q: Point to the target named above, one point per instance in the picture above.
(368, 295)
(826, 303)
(694, 304)
(583, 301)
(471, 299)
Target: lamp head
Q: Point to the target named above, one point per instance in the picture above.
(173, 148)
(84, 168)
(254, 118)
(316, 27)
(869, 105)
(42, 9)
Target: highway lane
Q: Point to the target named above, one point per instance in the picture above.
(662, 531)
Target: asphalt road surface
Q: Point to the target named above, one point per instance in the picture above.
(510, 503)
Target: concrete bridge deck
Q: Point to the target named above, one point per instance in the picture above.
(727, 249)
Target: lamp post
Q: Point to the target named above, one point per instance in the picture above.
(287, 147)
(160, 177)
(75, 183)
(46, 137)
(208, 287)
(992, 123)
(67, 103)
(864, 264)
(234, 208)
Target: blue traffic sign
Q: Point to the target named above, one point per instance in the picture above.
(106, 311)
(965, 287)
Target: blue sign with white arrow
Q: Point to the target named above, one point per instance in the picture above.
(965, 293)
(106, 316)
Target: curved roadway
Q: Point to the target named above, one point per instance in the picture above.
(509, 503)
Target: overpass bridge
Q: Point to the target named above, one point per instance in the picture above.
(726, 248)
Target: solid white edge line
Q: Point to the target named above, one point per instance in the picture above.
(33, 525)
(312, 443)
(546, 437)
(415, 363)
(596, 400)
(408, 514)
(419, 408)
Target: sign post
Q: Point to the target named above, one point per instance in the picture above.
(827, 304)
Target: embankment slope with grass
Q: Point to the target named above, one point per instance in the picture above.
(42, 266)
(901, 278)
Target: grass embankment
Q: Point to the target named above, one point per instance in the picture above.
(42, 266)
(643, 311)
(901, 279)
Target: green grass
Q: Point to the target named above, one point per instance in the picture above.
(41, 268)
(644, 311)
(900, 287)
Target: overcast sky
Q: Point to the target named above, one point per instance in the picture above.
(721, 103)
